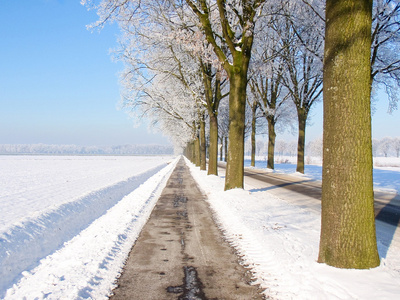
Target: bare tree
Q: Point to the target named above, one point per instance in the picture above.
(386, 145)
(302, 45)
(396, 146)
(385, 57)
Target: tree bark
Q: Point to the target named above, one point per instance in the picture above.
(302, 119)
(348, 238)
(237, 105)
(196, 151)
(271, 142)
(213, 152)
(226, 149)
(191, 152)
(203, 147)
(253, 134)
(222, 149)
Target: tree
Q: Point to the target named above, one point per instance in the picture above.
(314, 147)
(348, 238)
(213, 85)
(396, 146)
(385, 57)
(223, 128)
(267, 87)
(386, 145)
(302, 45)
(254, 108)
(230, 30)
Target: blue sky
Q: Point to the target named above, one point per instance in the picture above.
(58, 84)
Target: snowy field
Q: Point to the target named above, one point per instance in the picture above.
(68, 222)
(63, 242)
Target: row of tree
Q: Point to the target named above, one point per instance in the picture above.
(386, 147)
(185, 58)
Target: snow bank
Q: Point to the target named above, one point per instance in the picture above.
(87, 266)
(30, 239)
(279, 241)
(31, 185)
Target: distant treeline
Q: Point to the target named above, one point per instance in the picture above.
(85, 150)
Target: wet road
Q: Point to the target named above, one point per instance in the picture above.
(180, 253)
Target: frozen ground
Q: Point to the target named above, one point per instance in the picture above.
(46, 201)
(276, 238)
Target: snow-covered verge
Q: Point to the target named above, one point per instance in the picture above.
(280, 242)
(379, 161)
(76, 249)
(386, 170)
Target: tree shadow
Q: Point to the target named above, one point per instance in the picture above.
(389, 214)
(295, 186)
(283, 185)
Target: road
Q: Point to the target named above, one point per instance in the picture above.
(307, 192)
(181, 253)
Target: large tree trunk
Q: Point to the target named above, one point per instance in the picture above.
(213, 150)
(203, 147)
(271, 143)
(302, 118)
(348, 228)
(237, 105)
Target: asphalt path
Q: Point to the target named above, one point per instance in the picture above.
(181, 253)
(307, 192)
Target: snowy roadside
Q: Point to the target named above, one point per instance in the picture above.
(87, 265)
(386, 170)
(280, 242)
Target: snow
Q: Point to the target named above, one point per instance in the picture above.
(386, 171)
(279, 241)
(274, 236)
(52, 199)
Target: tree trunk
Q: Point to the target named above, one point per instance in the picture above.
(348, 237)
(203, 160)
(213, 150)
(213, 101)
(302, 118)
(196, 151)
(226, 149)
(271, 143)
(253, 135)
(237, 105)
(187, 152)
(221, 149)
(191, 152)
